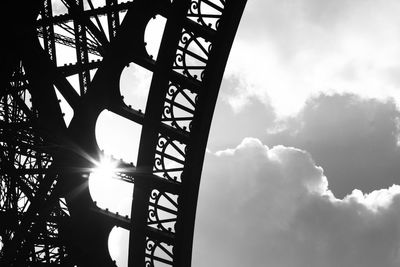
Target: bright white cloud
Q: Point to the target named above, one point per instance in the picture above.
(263, 206)
(353, 138)
(287, 51)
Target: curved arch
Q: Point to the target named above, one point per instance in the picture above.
(175, 124)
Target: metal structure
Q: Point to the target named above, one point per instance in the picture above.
(47, 216)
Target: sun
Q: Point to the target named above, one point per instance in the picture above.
(106, 188)
(106, 168)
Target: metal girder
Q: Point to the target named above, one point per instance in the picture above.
(53, 164)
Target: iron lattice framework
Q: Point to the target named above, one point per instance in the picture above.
(47, 216)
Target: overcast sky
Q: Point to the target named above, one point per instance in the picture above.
(303, 155)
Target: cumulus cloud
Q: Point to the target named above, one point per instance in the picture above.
(230, 125)
(353, 138)
(287, 51)
(262, 206)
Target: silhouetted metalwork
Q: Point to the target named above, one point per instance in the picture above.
(47, 216)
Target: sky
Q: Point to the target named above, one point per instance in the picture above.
(304, 153)
(302, 163)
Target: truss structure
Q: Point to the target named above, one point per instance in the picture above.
(47, 216)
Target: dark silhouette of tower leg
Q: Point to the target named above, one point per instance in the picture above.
(47, 216)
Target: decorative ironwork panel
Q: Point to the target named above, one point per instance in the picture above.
(163, 210)
(169, 159)
(179, 107)
(206, 13)
(192, 55)
(158, 253)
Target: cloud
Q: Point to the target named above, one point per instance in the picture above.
(263, 206)
(230, 124)
(287, 51)
(355, 139)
